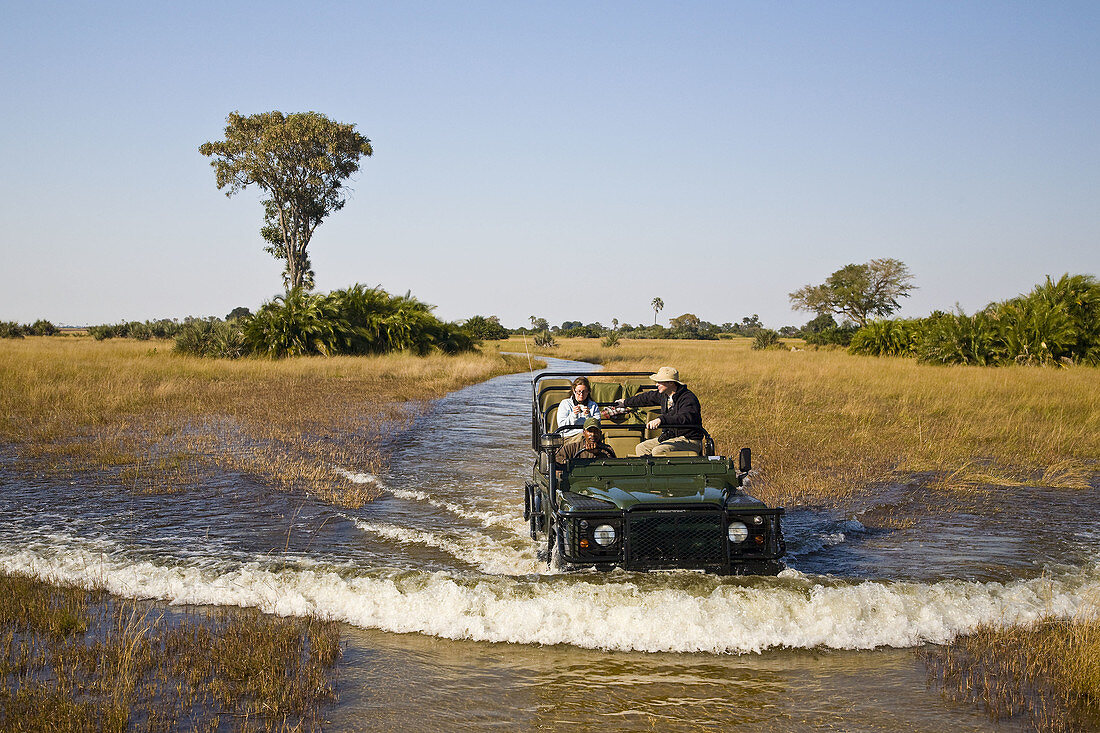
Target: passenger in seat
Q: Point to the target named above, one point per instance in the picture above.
(576, 409)
(679, 406)
(590, 445)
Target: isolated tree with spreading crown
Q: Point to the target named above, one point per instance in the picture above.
(858, 292)
(301, 161)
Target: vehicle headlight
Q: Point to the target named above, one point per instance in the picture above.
(605, 535)
(738, 532)
(552, 441)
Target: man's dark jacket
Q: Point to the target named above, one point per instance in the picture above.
(685, 411)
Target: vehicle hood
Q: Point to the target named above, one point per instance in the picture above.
(626, 492)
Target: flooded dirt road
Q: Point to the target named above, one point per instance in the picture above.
(452, 621)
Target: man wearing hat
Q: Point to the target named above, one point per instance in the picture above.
(681, 417)
(590, 445)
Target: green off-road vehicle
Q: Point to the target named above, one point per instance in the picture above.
(676, 511)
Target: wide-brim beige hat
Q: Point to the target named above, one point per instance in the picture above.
(666, 374)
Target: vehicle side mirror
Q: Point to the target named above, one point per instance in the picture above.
(744, 460)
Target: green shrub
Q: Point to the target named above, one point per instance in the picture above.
(545, 340)
(11, 330)
(358, 320)
(487, 328)
(611, 340)
(836, 336)
(898, 337)
(212, 338)
(765, 338)
(142, 330)
(42, 327)
(1056, 323)
(961, 339)
(295, 324)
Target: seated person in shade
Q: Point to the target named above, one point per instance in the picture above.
(576, 409)
(590, 445)
(679, 407)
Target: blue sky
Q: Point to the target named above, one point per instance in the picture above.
(567, 160)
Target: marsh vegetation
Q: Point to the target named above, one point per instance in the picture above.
(73, 659)
(135, 413)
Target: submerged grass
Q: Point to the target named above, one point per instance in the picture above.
(72, 659)
(152, 419)
(1047, 672)
(826, 424)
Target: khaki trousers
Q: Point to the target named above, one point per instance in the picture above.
(657, 447)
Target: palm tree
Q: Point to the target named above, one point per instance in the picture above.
(657, 304)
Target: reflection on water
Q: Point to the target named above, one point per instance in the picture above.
(454, 622)
(422, 683)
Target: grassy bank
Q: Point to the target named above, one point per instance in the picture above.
(72, 659)
(153, 420)
(825, 424)
(1047, 672)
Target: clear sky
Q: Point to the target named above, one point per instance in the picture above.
(560, 159)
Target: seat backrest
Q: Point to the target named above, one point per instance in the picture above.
(552, 392)
(604, 393)
(622, 440)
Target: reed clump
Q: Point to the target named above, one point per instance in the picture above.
(826, 425)
(72, 659)
(146, 418)
(1046, 672)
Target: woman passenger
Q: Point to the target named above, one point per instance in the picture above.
(577, 408)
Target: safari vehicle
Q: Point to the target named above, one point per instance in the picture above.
(679, 510)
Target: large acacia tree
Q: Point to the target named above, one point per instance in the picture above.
(301, 161)
(858, 292)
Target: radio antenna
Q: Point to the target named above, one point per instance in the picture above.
(530, 366)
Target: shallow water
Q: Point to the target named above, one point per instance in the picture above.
(453, 621)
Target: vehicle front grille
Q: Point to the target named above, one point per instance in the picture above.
(675, 538)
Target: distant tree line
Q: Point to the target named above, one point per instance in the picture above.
(356, 320)
(13, 330)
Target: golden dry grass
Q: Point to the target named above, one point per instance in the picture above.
(72, 659)
(155, 418)
(824, 424)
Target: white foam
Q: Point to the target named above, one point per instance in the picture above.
(360, 478)
(485, 518)
(479, 550)
(617, 611)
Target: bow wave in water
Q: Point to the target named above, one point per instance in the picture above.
(676, 612)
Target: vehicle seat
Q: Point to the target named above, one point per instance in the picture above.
(622, 440)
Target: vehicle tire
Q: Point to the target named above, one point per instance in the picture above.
(526, 502)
